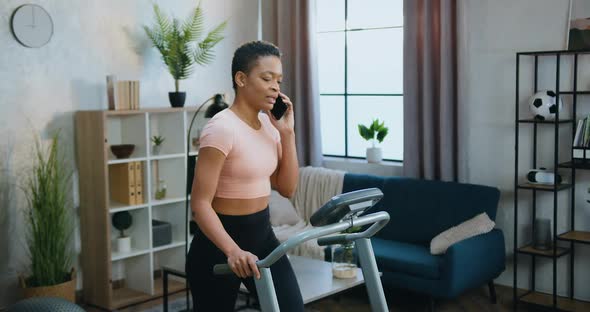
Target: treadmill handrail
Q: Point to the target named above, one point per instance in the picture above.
(377, 219)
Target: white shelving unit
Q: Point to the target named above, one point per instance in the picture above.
(112, 279)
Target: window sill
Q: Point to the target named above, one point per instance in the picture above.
(361, 166)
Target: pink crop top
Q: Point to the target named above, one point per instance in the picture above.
(251, 155)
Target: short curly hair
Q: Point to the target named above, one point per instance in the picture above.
(248, 53)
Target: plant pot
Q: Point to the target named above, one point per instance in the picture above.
(65, 290)
(124, 244)
(374, 155)
(177, 98)
(156, 149)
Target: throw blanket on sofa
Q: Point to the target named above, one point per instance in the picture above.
(315, 187)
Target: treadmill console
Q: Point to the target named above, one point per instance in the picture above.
(345, 206)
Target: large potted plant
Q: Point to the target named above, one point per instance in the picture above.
(375, 132)
(181, 46)
(49, 225)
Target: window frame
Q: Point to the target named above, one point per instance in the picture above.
(346, 95)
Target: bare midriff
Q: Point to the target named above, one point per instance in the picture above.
(239, 206)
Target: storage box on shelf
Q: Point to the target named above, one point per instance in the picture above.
(566, 65)
(114, 279)
(174, 215)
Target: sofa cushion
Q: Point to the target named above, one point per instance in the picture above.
(282, 210)
(411, 259)
(477, 225)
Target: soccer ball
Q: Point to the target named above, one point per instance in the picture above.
(543, 105)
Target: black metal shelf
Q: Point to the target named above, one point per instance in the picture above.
(571, 236)
(554, 53)
(582, 237)
(545, 187)
(539, 299)
(550, 122)
(575, 92)
(530, 250)
(582, 164)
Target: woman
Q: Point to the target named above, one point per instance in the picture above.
(244, 151)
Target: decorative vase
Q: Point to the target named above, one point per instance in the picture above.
(156, 149)
(542, 235)
(161, 190)
(344, 260)
(177, 98)
(65, 290)
(124, 244)
(374, 155)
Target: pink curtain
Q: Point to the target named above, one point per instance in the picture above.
(430, 90)
(290, 24)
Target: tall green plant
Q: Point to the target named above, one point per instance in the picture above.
(376, 131)
(49, 218)
(179, 42)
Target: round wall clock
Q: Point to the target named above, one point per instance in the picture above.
(31, 25)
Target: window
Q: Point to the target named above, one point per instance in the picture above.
(360, 51)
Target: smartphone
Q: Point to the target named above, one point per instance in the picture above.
(279, 108)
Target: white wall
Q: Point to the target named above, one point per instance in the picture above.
(41, 88)
(491, 32)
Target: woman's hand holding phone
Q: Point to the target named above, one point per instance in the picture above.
(284, 121)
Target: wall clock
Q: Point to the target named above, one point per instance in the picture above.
(31, 25)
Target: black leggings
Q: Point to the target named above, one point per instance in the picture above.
(252, 233)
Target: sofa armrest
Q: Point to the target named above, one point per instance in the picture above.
(473, 262)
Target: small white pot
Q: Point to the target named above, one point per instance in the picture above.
(374, 155)
(156, 149)
(124, 244)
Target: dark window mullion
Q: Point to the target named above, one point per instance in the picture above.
(361, 94)
(345, 79)
(358, 29)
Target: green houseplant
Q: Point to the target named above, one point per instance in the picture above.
(376, 131)
(122, 221)
(181, 46)
(49, 225)
(158, 140)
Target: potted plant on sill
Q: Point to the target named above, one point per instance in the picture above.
(375, 132)
(180, 46)
(49, 226)
(158, 140)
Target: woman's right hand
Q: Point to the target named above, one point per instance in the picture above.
(243, 263)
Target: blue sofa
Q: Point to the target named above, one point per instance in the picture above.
(419, 211)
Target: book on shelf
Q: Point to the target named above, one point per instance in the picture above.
(122, 94)
(578, 135)
(126, 183)
(582, 135)
(581, 154)
(138, 183)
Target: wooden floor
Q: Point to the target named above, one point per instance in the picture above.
(355, 300)
(476, 300)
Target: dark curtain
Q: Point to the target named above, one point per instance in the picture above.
(293, 31)
(431, 148)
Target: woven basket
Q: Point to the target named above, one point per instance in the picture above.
(66, 290)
